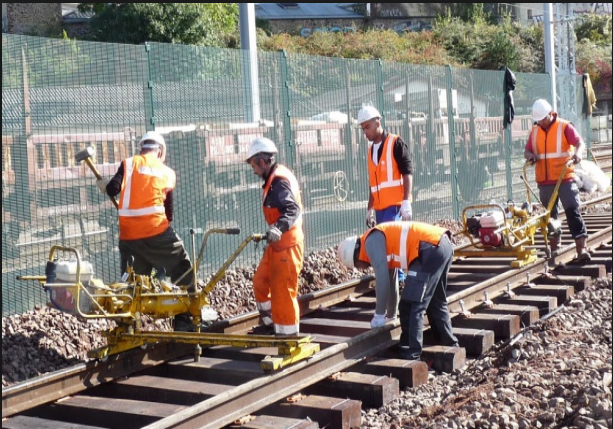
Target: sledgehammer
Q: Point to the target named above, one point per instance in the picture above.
(86, 155)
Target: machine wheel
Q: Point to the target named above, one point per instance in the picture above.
(341, 186)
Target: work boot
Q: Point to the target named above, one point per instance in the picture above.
(582, 253)
(554, 242)
(262, 330)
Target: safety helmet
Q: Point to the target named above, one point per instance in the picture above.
(346, 251)
(261, 145)
(367, 113)
(540, 109)
(152, 140)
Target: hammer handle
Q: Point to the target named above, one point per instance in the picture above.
(98, 176)
(93, 168)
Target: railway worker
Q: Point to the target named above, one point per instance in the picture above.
(551, 143)
(275, 282)
(145, 188)
(390, 174)
(426, 252)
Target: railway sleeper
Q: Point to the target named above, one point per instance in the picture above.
(578, 282)
(327, 411)
(374, 391)
(272, 422)
(504, 326)
(545, 304)
(409, 373)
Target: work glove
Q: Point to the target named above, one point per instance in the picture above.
(102, 184)
(405, 210)
(378, 321)
(531, 158)
(273, 234)
(576, 158)
(370, 218)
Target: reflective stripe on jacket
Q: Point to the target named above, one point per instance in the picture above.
(385, 179)
(295, 234)
(402, 241)
(146, 182)
(552, 150)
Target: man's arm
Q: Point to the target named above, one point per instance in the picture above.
(405, 166)
(574, 138)
(528, 154)
(282, 198)
(113, 188)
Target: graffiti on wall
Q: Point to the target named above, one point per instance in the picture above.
(307, 31)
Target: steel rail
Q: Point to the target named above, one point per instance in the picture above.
(255, 394)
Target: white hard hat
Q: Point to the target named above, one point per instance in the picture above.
(346, 251)
(367, 113)
(152, 140)
(261, 145)
(540, 109)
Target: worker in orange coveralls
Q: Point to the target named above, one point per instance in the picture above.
(275, 282)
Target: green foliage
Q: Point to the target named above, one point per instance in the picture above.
(184, 23)
(596, 28)
(595, 60)
(417, 48)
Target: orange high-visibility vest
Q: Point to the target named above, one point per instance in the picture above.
(385, 179)
(402, 241)
(552, 150)
(295, 234)
(146, 182)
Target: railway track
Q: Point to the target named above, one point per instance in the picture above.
(164, 386)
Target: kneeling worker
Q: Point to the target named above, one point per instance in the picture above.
(426, 252)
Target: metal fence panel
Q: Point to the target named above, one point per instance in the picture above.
(59, 97)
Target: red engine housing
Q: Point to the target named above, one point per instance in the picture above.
(489, 237)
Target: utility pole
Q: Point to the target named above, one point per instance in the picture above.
(549, 52)
(249, 52)
(561, 67)
(567, 69)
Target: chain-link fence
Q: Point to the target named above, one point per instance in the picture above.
(59, 97)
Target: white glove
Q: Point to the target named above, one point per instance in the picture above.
(370, 218)
(273, 234)
(405, 210)
(378, 321)
(102, 184)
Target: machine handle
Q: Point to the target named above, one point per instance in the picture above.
(233, 231)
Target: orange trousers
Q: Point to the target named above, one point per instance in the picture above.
(275, 286)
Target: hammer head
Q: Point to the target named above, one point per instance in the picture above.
(82, 155)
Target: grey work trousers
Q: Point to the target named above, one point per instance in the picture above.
(425, 292)
(568, 194)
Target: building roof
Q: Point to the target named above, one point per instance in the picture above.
(285, 11)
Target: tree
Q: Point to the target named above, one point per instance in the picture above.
(183, 23)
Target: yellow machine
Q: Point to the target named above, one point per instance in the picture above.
(73, 289)
(497, 231)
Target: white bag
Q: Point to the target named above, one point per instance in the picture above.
(597, 178)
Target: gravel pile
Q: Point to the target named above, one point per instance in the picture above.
(555, 374)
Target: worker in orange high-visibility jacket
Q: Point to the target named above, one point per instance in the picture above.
(275, 282)
(425, 252)
(390, 174)
(145, 186)
(552, 142)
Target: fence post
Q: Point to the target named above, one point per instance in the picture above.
(452, 151)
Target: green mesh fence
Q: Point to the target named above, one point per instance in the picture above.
(59, 97)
